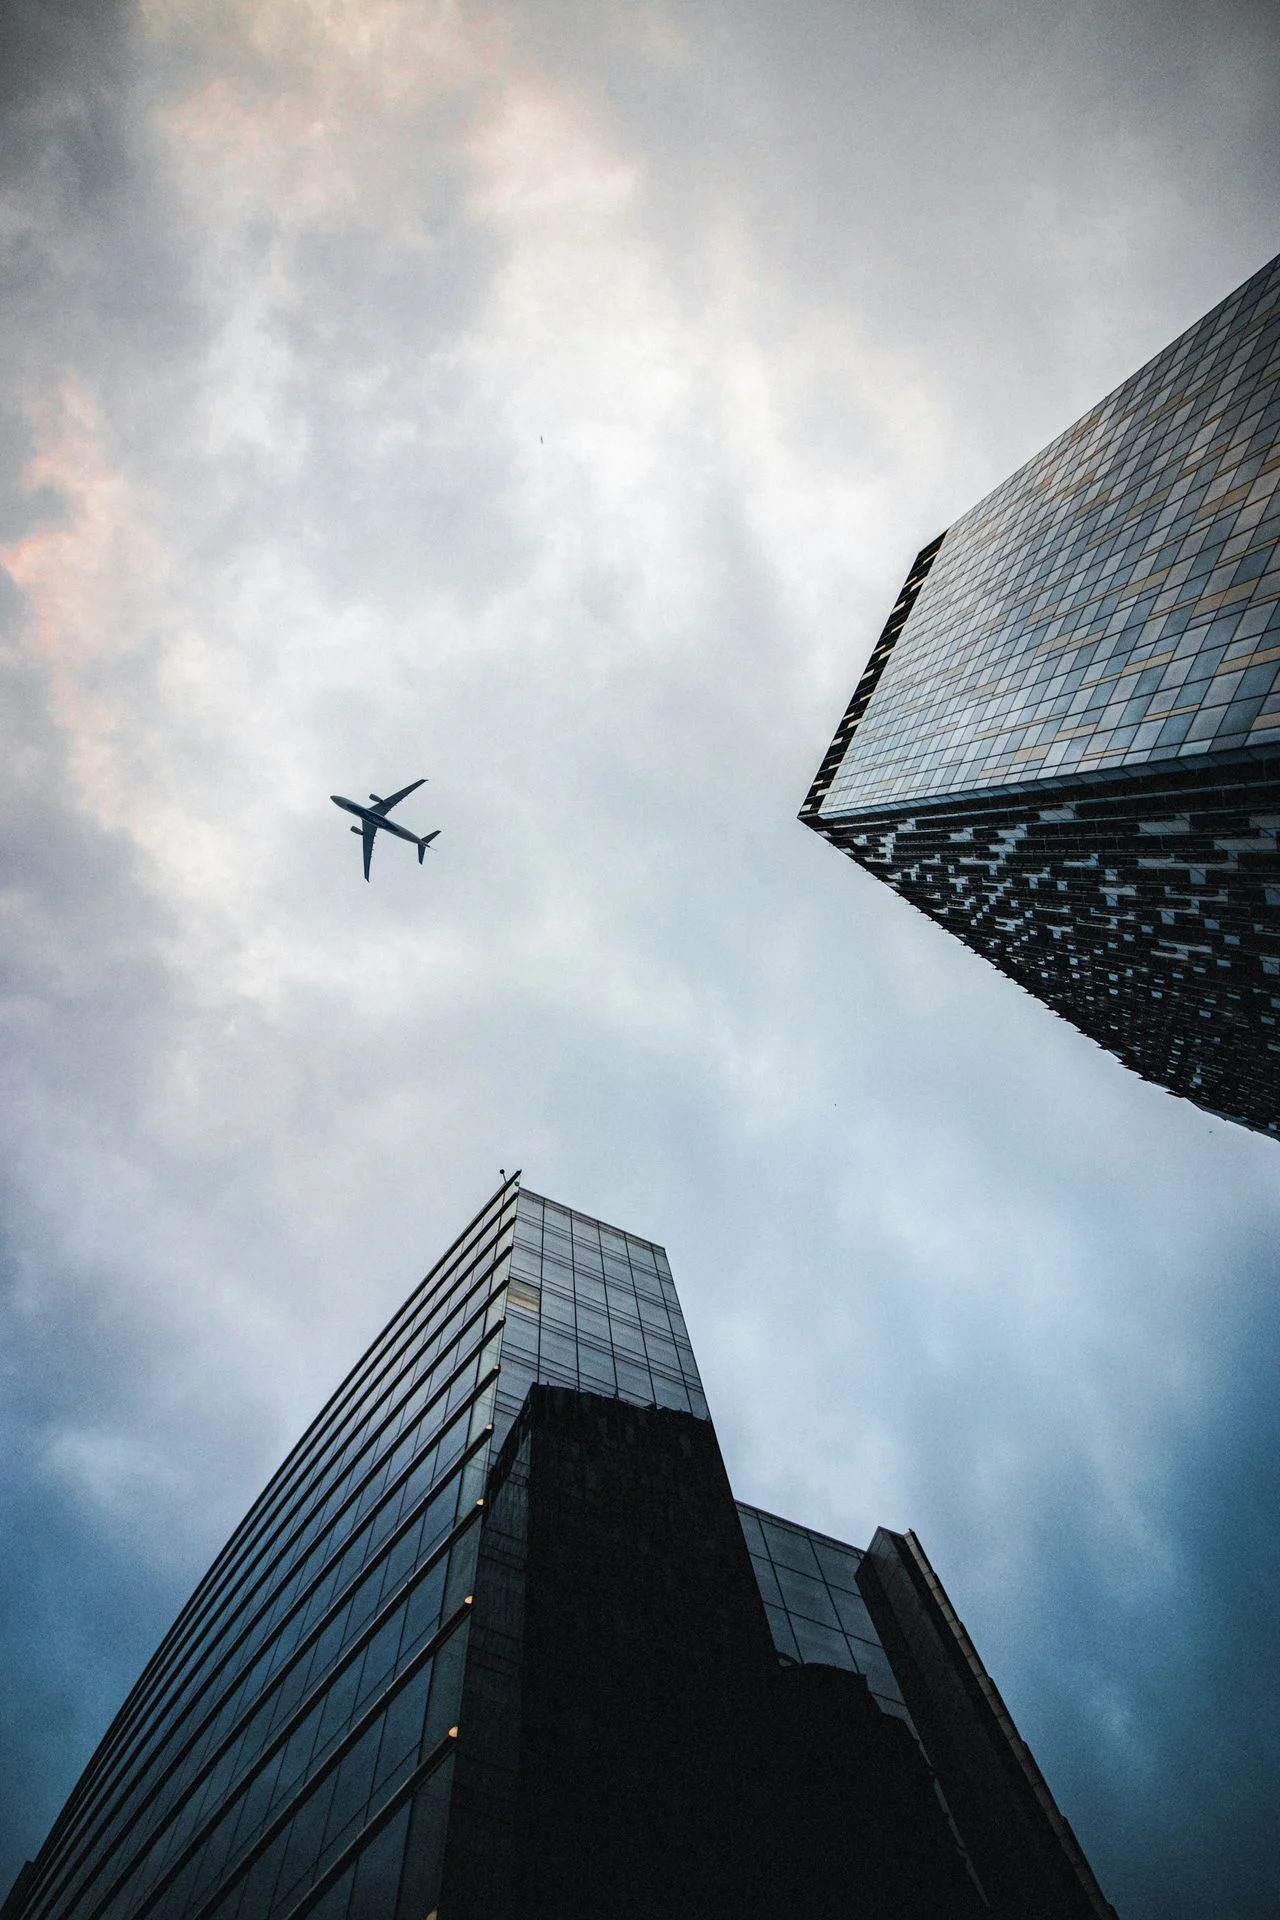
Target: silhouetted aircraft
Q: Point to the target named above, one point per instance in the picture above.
(371, 818)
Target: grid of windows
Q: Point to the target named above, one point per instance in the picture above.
(809, 1584)
(268, 1760)
(593, 1308)
(1142, 910)
(294, 1749)
(1116, 601)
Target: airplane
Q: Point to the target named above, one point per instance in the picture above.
(371, 818)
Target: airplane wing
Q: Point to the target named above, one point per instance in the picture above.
(370, 835)
(385, 806)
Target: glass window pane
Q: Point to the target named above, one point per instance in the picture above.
(790, 1549)
(824, 1645)
(839, 1564)
(807, 1596)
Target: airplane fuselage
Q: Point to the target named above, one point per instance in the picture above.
(374, 819)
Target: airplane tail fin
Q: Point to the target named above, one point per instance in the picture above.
(424, 843)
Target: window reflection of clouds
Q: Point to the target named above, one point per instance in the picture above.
(331, 1600)
(1136, 560)
(807, 1582)
(610, 1318)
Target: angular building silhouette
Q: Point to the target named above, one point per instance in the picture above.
(496, 1641)
(1065, 747)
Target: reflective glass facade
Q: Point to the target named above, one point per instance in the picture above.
(506, 1548)
(1116, 601)
(591, 1307)
(1095, 647)
(882, 1612)
(1023, 1851)
(271, 1757)
(809, 1584)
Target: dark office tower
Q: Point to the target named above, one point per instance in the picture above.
(1023, 1850)
(497, 1644)
(1065, 746)
(882, 1614)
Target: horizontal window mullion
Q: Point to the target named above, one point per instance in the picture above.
(130, 1756)
(468, 1246)
(296, 1491)
(241, 1544)
(394, 1411)
(424, 1334)
(284, 1733)
(276, 1826)
(439, 1393)
(373, 1826)
(92, 1838)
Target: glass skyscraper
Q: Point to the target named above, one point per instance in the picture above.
(1065, 746)
(496, 1640)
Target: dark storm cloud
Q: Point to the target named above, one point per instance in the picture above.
(1191, 1664)
(549, 403)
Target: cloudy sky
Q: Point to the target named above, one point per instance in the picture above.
(549, 398)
